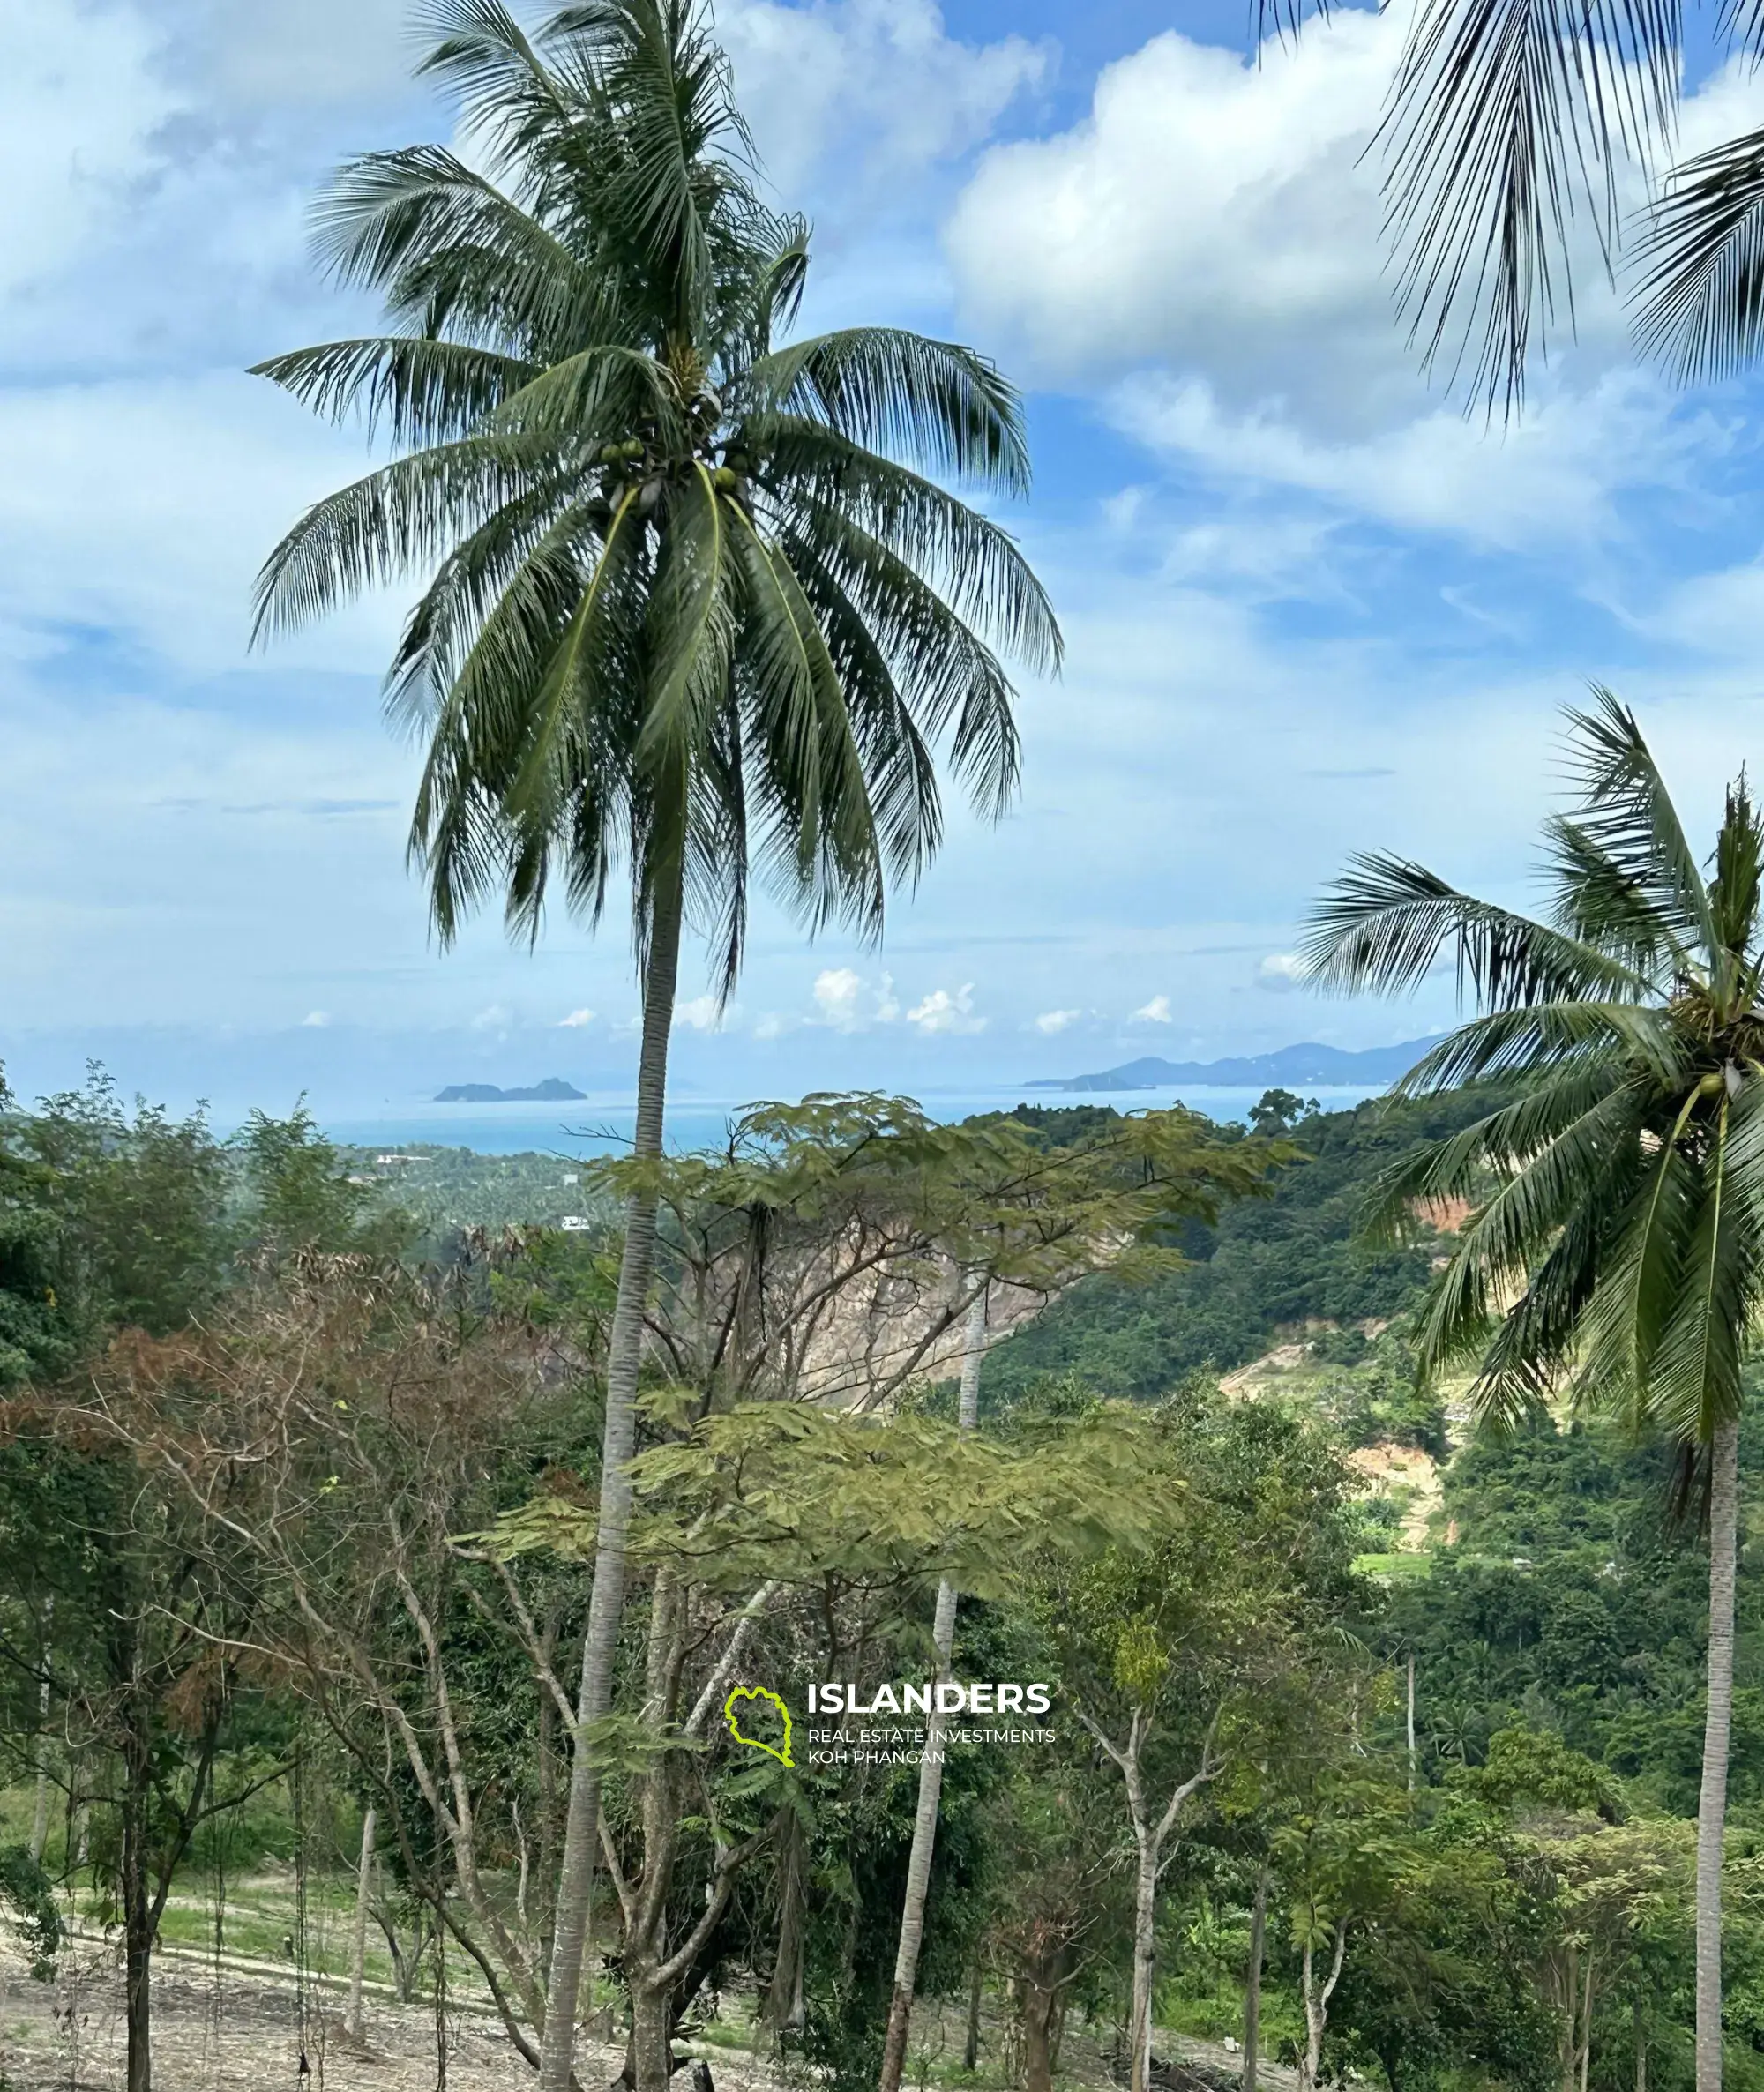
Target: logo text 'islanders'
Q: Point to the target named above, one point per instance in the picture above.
(941, 1696)
(780, 1751)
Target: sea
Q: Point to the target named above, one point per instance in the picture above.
(603, 1124)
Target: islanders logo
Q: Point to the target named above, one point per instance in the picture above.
(780, 1751)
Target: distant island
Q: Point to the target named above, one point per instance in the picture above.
(551, 1091)
(1327, 1066)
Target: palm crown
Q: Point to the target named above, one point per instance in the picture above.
(1616, 1241)
(696, 599)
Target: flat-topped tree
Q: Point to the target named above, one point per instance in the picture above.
(1614, 1248)
(695, 604)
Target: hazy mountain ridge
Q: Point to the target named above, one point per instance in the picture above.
(553, 1090)
(1313, 1063)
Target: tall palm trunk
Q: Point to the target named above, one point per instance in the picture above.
(625, 1354)
(1712, 1807)
(930, 1763)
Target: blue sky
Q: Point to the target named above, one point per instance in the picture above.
(1309, 606)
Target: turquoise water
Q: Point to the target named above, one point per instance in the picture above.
(603, 1122)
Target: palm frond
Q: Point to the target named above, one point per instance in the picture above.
(947, 678)
(1536, 1036)
(1385, 923)
(417, 389)
(821, 480)
(1699, 287)
(1517, 1226)
(402, 517)
(1734, 890)
(823, 839)
(1496, 1149)
(1627, 812)
(691, 622)
(1504, 128)
(1695, 1382)
(932, 404)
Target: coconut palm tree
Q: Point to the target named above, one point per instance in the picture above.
(1505, 141)
(1615, 1250)
(698, 606)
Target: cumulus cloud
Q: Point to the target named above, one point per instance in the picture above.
(944, 1014)
(493, 1018)
(872, 84)
(316, 1020)
(702, 1013)
(1280, 971)
(1156, 1012)
(1204, 250)
(1209, 212)
(837, 991)
(1050, 1023)
(576, 1021)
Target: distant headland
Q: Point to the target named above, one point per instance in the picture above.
(1322, 1066)
(551, 1091)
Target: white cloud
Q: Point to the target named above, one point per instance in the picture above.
(870, 85)
(576, 1021)
(78, 106)
(495, 1018)
(1156, 1012)
(702, 1013)
(1210, 213)
(1280, 971)
(1549, 478)
(942, 1013)
(316, 1020)
(775, 1024)
(837, 991)
(1205, 251)
(887, 1003)
(323, 50)
(1050, 1023)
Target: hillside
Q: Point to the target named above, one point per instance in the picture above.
(1540, 1578)
(1270, 1266)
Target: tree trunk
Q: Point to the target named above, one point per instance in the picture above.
(548, 1791)
(1144, 1957)
(1252, 1981)
(358, 1944)
(1038, 2014)
(1316, 1997)
(40, 1813)
(1640, 2027)
(652, 2048)
(1411, 1721)
(1712, 1807)
(930, 1762)
(137, 1933)
(970, 2046)
(784, 1993)
(625, 1355)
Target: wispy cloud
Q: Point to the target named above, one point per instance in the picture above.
(1156, 1012)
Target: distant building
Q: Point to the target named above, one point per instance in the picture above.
(575, 1224)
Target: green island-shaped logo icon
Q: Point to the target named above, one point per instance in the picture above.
(780, 1751)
